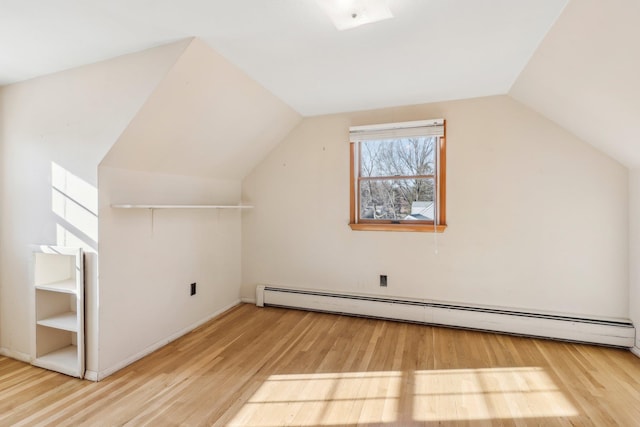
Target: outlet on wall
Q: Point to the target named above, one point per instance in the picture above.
(193, 289)
(383, 280)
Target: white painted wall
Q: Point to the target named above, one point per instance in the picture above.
(634, 251)
(66, 121)
(2, 155)
(173, 111)
(537, 218)
(203, 128)
(147, 264)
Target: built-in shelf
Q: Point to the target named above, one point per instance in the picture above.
(68, 286)
(125, 206)
(65, 321)
(58, 326)
(63, 360)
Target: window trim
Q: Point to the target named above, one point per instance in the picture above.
(385, 225)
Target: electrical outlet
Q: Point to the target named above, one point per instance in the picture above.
(193, 288)
(383, 280)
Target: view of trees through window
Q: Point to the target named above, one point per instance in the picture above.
(397, 179)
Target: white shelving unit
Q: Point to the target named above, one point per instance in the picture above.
(58, 335)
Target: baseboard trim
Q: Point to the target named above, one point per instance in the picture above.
(112, 370)
(91, 376)
(23, 357)
(248, 300)
(635, 350)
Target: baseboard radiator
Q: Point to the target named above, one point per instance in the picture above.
(594, 331)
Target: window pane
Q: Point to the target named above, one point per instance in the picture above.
(394, 157)
(397, 199)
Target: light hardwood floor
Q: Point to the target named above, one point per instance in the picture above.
(274, 367)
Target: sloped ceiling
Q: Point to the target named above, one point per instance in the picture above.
(585, 76)
(206, 118)
(577, 65)
(432, 50)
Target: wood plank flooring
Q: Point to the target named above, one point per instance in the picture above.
(274, 367)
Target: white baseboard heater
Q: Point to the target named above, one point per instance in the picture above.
(618, 333)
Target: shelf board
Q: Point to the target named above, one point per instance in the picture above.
(64, 360)
(125, 206)
(68, 286)
(65, 321)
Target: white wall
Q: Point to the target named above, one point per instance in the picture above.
(147, 119)
(65, 122)
(634, 251)
(2, 155)
(147, 264)
(203, 128)
(537, 218)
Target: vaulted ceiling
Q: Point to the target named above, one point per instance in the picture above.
(205, 118)
(585, 76)
(431, 50)
(574, 61)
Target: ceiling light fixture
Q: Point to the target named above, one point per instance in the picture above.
(347, 14)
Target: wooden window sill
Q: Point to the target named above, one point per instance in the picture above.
(424, 228)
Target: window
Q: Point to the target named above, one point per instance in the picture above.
(398, 176)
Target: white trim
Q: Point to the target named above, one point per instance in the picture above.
(248, 300)
(91, 375)
(128, 361)
(421, 128)
(18, 355)
(397, 125)
(260, 295)
(635, 350)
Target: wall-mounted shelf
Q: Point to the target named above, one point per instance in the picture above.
(125, 206)
(152, 208)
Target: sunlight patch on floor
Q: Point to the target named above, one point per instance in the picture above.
(483, 394)
(323, 399)
(327, 399)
